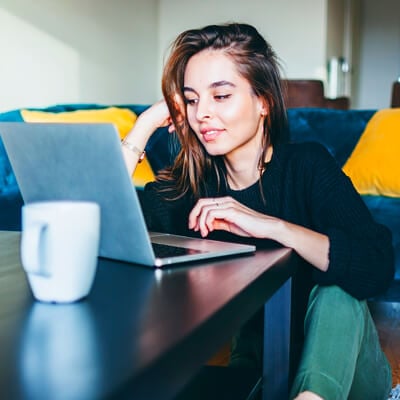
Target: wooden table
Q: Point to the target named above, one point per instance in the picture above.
(141, 333)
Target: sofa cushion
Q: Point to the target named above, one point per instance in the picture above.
(122, 118)
(374, 163)
(337, 130)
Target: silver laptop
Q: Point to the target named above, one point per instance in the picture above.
(57, 161)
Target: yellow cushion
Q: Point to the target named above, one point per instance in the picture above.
(374, 165)
(122, 118)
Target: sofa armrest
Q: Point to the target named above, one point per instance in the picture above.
(300, 93)
(340, 103)
(395, 102)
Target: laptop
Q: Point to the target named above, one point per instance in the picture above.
(69, 161)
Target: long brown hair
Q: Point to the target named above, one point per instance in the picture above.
(256, 61)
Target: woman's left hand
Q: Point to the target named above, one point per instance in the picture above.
(225, 213)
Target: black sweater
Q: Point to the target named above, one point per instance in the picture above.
(304, 185)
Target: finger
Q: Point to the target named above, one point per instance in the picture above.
(193, 215)
(202, 207)
(217, 213)
(210, 213)
(204, 218)
(223, 225)
(165, 120)
(229, 218)
(197, 210)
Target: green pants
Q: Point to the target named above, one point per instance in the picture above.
(341, 358)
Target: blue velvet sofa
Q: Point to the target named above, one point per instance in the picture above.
(337, 130)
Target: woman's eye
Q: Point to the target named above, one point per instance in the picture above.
(191, 101)
(220, 97)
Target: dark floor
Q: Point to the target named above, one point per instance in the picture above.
(387, 319)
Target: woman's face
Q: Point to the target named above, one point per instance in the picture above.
(222, 109)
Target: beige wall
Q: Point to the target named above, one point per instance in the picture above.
(60, 51)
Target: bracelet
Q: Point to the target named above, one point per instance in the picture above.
(140, 153)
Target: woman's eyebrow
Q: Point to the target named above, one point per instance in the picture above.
(211, 86)
(221, 83)
(188, 89)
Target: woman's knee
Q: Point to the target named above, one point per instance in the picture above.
(329, 305)
(334, 299)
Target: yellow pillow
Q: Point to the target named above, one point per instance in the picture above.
(374, 165)
(122, 118)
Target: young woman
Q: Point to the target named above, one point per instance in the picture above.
(235, 177)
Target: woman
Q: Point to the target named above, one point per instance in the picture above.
(234, 177)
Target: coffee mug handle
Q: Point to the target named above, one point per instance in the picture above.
(33, 247)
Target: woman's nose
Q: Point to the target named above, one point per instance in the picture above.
(204, 109)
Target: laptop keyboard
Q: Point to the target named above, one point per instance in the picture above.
(164, 250)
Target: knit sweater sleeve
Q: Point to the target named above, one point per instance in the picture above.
(361, 259)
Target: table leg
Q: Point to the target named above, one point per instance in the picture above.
(277, 344)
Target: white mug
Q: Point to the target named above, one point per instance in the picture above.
(59, 248)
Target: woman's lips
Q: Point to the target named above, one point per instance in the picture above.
(210, 135)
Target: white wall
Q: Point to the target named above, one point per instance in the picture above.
(295, 29)
(379, 64)
(101, 51)
(77, 51)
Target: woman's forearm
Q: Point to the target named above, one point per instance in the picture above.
(134, 143)
(308, 244)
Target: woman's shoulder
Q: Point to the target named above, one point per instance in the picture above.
(300, 149)
(305, 152)
(303, 161)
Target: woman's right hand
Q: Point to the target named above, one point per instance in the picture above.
(155, 117)
(147, 123)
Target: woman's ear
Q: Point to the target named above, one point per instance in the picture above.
(264, 108)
